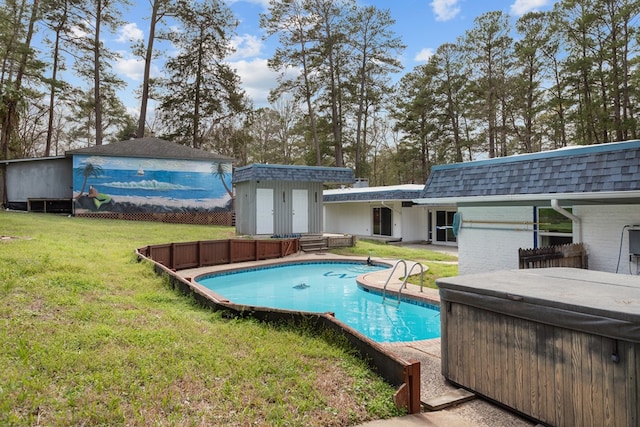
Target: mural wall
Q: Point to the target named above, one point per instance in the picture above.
(135, 185)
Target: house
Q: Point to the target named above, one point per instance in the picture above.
(283, 199)
(387, 213)
(139, 179)
(586, 194)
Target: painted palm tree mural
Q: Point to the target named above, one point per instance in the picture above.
(151, 185)
(94, 200)
(222, 171)
(89, 170)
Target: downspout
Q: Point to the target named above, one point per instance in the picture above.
(392, 218)
(556, 207)
(389, 207)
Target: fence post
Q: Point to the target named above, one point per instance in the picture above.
(172, 256)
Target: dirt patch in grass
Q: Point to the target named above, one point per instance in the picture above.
(4, 239)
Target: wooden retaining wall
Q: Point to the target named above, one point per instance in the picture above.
(347, 241)
(397, 371)
(178, 256)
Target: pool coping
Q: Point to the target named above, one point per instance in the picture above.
(372, 281)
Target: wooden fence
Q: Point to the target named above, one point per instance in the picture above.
(570, 255)
(178, 256)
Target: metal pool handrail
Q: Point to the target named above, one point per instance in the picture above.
(406, 278)
(384, 289)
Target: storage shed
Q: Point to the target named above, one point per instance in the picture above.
(137, 179)
(152, 179)
(283, 199)
(39, 185)
(560, 345)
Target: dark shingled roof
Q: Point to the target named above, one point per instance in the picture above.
(590, 169)
(149, 147)
(365, 194)
(257, 172)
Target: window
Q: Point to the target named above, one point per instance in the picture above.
(554, 228)
(444, 227)
(382, 221)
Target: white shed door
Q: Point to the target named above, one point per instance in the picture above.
(264, 211)
(300, 211)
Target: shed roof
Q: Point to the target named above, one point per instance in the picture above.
(31, 159)
(606, 171)
(329, 175)
(367, 194)
(149, 147)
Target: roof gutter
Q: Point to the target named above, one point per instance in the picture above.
(576, 220)
(542, 197)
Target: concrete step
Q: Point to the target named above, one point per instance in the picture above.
(452, 398)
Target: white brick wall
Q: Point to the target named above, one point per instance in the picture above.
(409, 223)
(602, 230)
(415, 224)
(354, 218)
(488, 239)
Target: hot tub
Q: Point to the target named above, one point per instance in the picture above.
(559, 345)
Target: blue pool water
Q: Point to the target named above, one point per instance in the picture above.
(329, 287)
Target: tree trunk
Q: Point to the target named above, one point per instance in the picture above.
(312, 116)
(147, 71)
(195, 143)
(96, 74)
(10, 117)
(54, 74)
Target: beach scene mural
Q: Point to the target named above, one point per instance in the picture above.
(128, 184)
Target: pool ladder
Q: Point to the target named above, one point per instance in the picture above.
(404, 282)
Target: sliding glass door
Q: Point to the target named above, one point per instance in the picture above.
(382, 225)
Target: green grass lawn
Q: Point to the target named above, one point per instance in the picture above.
(90, 336)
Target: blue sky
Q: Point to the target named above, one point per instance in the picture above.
(423, 25)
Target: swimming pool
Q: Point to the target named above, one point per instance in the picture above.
(321, 287)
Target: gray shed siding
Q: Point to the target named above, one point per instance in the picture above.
(245, 203)
(49, 178)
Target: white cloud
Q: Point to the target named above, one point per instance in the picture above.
(257, 79)
(78, 32)
(246, 46)
(128, 33)
(263, 3)
(424, 55)
(520, 7)
(130, 67)
(445, 9)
